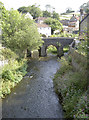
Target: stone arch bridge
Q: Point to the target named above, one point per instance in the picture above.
(58, 42)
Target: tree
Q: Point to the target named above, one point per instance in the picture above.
(48, 7)
(55, 15)
(19, 33)
(85, 7)
(69, 10)
(54, 24)
(46, 14)
(33, 10)
(23, 9)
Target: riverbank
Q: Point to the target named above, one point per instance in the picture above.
(12, 70)
(71, 87)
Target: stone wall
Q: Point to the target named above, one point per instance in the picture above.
(84, 25)
(79, 62)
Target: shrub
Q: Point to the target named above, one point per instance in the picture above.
(12, 74)
(8, 75)
(8, 54)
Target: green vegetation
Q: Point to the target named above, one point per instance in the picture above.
(46, 14)
(83, 46)
(55, 15)
(68, 10)
(65, 35)
(85, 7)
(71, 86)
(66, 49)
(12, 74)
(19, 33)
(52, 49)
(54, 24)
(34, 10)
(6, 53)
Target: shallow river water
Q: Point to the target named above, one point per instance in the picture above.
(34, 96)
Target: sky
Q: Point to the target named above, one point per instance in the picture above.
(59, 5)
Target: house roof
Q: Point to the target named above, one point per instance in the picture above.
(74, 18)
(41, 18)
(28, 15)
(42, 25)
(64, 22)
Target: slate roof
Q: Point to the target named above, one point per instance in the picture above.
(74, 18)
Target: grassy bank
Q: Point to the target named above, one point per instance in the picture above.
(71, 86)
(12, 72)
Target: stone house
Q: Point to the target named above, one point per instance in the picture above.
(84, 25)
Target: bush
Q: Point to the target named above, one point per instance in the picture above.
(8, 54)
(82, 47)
(43, 35)
(12, 74)
(8, 75)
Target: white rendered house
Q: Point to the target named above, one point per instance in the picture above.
(44, 29)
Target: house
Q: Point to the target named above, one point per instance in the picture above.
(83, 25)
(44, 29)
(40, 20)
(64, 22)
(73, 23)
(28, 15)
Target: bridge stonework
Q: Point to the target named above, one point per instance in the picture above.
(58, 42)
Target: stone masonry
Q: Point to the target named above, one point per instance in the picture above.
(58, 42)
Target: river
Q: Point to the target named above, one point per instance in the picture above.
(34, 96)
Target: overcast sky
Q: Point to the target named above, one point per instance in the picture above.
(59, 5)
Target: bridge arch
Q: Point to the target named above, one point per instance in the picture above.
(43, 50)
(58, 42)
